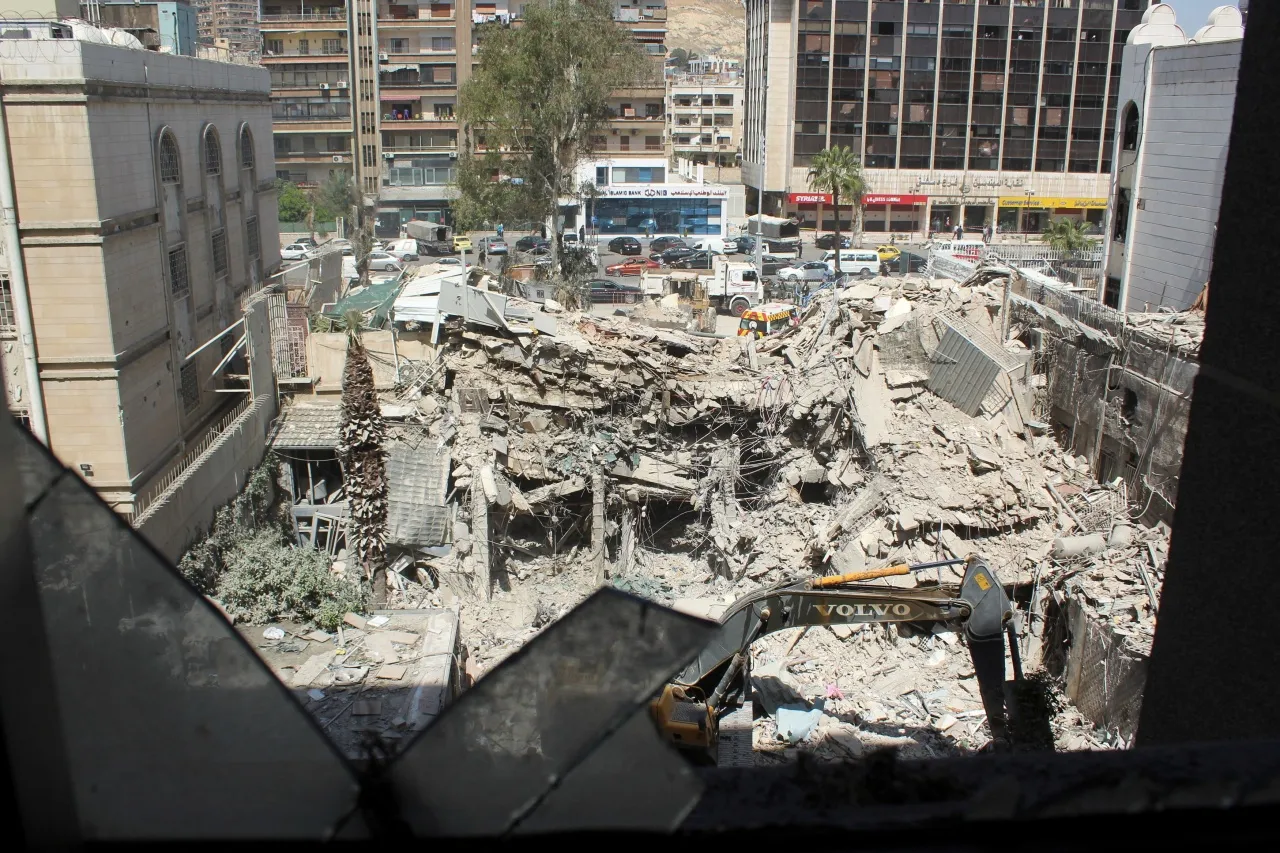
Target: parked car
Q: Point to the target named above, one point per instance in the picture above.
(526, 243)
(625, 245)
(295, 252)
(915, 263)
(569, 240)
(771, 265)
(492, 245)
(828, 241)
(745, 243)
(887, 252)
(309, 242)
(675, 253)
(659, 245)
(603, 290)
(632, 266)
(461, 243)
(808, 271)
(383, 261)
(450, 262)
(695, 261)
(541, 250)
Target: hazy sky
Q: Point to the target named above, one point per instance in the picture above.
(1193, 13)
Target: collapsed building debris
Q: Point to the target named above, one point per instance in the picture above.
(891, 425)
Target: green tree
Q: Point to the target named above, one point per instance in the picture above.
(839, 171)
(335, 197)
(360, 450)
(539, 93)
(1067, 235)
(293, 202)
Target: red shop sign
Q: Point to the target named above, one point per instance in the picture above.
(809, 198)
(871, 198)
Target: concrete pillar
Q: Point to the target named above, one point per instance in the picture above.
(597, 526)
(1213, 673)
(480, 536)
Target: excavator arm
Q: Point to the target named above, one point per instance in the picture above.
(690, 707)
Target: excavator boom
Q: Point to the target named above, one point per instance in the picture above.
(978, 604)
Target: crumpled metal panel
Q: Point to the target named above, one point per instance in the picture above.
(417, 481)
(558, 736)
(172, 726)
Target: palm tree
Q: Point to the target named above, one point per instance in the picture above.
(838, 171)
(363, 459)
(1067, 235)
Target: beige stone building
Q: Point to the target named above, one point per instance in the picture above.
(140, 215)
(704, 113)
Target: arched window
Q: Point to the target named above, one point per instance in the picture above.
(212, 152)
(246, 148)
(1130, 141)
(170, 165)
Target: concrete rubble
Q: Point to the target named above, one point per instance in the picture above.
(690, 469)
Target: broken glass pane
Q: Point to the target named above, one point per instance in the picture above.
(545, 722)
(173, 728)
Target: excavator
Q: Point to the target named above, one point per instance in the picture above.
(690, 709)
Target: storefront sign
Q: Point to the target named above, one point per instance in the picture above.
(1053, 201)
(669, 191)
(881, 198)
(809, 198)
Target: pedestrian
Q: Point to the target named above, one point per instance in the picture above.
(986, 233)
(958, 232)
(499, 230)
(582, 234)
(483, 256)
(947, 224)
(648, 232)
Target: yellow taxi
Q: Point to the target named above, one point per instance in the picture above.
(461, 243)
(767, 319)
(888, 253)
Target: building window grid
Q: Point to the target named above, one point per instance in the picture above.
(246, 149)
(220, 264)
(189, 384)
(178, 281)
(212, 153)
(170, 166)
(7, 321)
(253, 240)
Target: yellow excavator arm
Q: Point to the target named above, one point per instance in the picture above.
(689, 709)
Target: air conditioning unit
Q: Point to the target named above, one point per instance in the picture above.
(324, 87)
(382, 57)
(453, 155)
(338, 158)
(342, 84)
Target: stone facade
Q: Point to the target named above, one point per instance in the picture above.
(146, 209)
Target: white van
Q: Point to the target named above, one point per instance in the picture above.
(405, 249)
(854, 261)
(715, 245)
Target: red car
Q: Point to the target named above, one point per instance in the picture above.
(632, 266)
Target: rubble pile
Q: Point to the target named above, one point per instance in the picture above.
(691, 469)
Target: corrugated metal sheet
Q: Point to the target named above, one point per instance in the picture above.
(966, 363)
(962, 373)
(417, 481)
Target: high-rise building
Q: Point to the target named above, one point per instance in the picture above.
(996, 112)
(141, 188)
(704, 112)
(229, 24)
(374, 95)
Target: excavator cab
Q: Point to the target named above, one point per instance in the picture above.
(691, 709)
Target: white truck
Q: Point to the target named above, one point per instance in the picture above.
(732, 286)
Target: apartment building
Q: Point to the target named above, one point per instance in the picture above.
(969, 112)
(143, 216)
(369, 88)
(1177, 99)
(229, 24)
(704, 112)
(167, 25)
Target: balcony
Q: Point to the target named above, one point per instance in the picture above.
(418, 123)
(287, 157)
(293, 55)
(332, 20)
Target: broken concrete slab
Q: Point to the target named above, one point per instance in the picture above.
(982, 459)
(310, 670)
